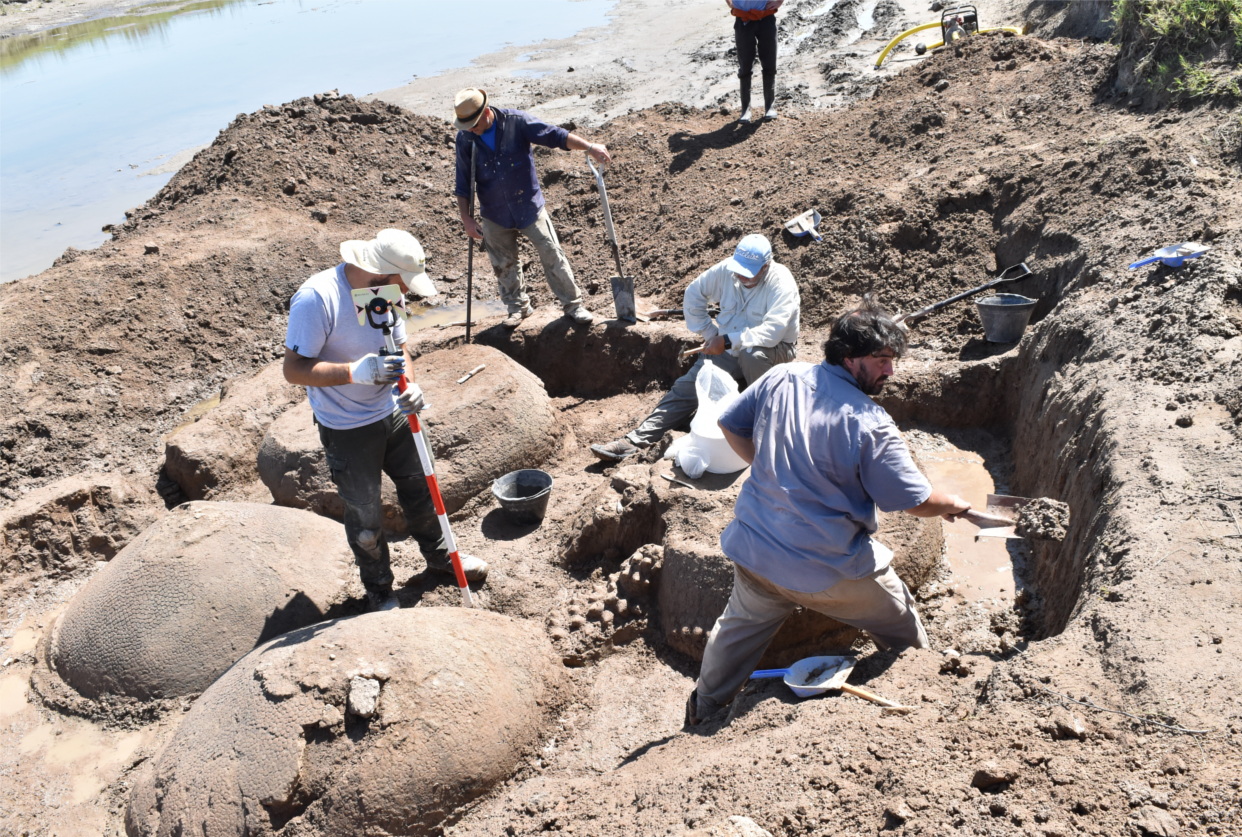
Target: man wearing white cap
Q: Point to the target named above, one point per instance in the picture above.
(362, 422)
(498, 142)
(757, 328)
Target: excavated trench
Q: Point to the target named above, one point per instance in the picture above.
(981, 423)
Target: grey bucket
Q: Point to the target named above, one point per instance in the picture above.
(1005, 316)
(524, 494)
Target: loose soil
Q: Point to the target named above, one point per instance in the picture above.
(1102, 701)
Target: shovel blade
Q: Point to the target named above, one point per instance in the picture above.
(1006, 505)
(623, 298)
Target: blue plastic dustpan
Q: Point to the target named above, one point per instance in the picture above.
(1174, 255)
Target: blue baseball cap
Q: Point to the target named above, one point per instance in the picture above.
(750, 255)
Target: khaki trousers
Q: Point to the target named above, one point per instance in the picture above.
(881, 605)
(501, 245)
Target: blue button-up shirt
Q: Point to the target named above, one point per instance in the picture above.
(508, 187)
(826, 456)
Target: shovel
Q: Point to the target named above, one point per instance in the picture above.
(815, 675)
(805, 224)
(999, 518)
(622, 285)
(1019, 271)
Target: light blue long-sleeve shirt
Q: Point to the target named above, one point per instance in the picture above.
(826, 457)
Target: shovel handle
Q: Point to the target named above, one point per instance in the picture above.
(980, 518)
(914, 316)
(687, 352)
(867, 694)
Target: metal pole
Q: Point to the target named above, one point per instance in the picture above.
(433, 485)
(470, 252)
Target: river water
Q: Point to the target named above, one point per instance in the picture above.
(96, 117)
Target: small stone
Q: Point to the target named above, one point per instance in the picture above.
(363, 696)
(150, 249)
(992, 773)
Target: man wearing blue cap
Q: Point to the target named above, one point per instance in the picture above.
(756, 329)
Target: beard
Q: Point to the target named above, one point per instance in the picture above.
(873, 386)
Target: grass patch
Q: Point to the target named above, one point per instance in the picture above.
(1191, 49)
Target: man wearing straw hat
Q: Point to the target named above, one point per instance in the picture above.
(361, 420)
(498, 141)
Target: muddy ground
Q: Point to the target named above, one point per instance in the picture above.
(1100, 699)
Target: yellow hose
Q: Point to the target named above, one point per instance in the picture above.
(900, 38)
(1012, 30)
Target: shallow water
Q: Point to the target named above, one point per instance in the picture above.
(96, 117)
(982, 568)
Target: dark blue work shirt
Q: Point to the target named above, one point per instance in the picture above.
(508, 187)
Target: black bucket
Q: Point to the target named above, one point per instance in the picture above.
(1004, 316)
(524, 494)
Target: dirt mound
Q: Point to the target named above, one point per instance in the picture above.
(382, 723)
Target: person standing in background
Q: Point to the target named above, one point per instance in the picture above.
(754, 31)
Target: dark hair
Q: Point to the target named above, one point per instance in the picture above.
(863, 331)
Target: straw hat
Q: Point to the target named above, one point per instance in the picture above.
(469, 106)
(392, 251)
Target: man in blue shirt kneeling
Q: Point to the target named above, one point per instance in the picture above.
(824, 458)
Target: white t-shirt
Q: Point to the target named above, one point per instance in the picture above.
(323, 324)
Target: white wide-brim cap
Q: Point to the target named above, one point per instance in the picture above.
(750, 255)
(392, 251)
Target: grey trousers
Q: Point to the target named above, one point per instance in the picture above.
(355, 459)
(680, 402)
(501, 245)
(880, 605)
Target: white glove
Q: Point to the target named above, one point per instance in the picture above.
(377, 369)
(411, 401)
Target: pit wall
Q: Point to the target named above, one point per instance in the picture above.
(1060, 438)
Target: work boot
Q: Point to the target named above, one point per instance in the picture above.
(745, 85)
(769, 98)
(515, 317)
(700, 709)
(474, 568)
(692, 709)
(580, 315)
(379, 601)
(615, 451)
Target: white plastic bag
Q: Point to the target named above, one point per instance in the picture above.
(705, 449)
